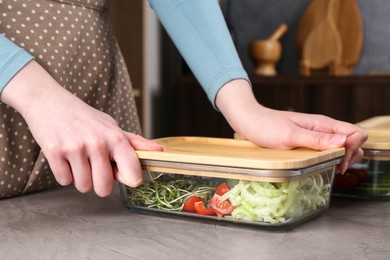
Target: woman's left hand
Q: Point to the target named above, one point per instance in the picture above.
(284, 129)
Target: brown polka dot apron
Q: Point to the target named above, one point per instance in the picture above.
(73, 41)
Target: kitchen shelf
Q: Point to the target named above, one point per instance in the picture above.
(347, 98)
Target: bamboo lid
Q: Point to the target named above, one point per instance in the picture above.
(377, 140)
(378, 129)
(236, 153)
(377, 123)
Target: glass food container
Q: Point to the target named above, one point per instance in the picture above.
(234, 181)
(370, 178)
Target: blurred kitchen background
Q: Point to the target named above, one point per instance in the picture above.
(170, 102)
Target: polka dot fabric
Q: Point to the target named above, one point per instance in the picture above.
(73, 41)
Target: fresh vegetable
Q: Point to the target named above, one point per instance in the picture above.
(373, 189)
(274, 202)
(360, 182)
(367, 184)
(169, 193)
(189, 203)
(221, 207)
(222, 189)
(201, 208)
(246, 200)
(362, 174)
(346, 181)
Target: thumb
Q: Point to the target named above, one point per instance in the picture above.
(318, 140)
(140, 143)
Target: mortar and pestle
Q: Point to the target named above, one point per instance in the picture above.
(266, 53)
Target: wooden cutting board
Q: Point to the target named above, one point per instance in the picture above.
(350, 26)
(235, 153)
(313, 15)
(322, 47)
(348, 22)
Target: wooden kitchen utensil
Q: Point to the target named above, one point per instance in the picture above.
(313, 15)
(323, 47)
(278, 32)
(266, 53)
(350, 26)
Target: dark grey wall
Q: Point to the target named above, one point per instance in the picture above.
(257, 19)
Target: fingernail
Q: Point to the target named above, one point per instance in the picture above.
(133, 182)
(343, 168)
(338, 140)
(138, 182)
(129, 181)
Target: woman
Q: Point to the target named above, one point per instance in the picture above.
(68, 112)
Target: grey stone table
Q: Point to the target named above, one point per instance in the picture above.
(63, 224)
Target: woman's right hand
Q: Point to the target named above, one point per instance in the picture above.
(82, 145)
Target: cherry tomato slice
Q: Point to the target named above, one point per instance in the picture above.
(189, 205)
(221, 207)
(361, 173)
(201, 208)
(346, 181)
(222, 189)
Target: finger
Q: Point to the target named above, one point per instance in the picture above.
(61, 170)
(102, 173)
(355, 137)
(356, 140)
(353, 151)
(81, 171)
(356, 157)
(349, 160)
(321, 123)
(315, 140)
(140, 143)
(329, 125)
(116, 174)
(129, 170)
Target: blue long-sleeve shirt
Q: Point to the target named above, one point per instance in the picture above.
(197, 28)
(12, 59)
(199, 31)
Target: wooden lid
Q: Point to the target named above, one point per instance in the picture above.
(236, 153)
(378, 129)
(377, 123)
(377, 140)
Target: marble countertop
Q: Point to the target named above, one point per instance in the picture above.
(64, 224)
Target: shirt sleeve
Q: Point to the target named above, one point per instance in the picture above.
(12, 59)
(199, 31)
